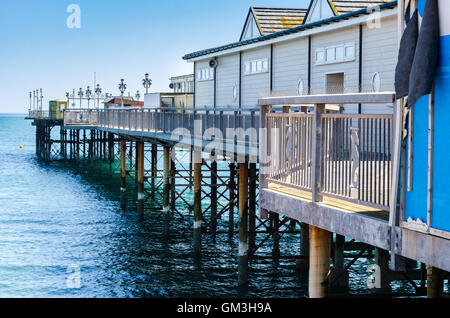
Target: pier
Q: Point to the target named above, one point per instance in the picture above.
(304, 169)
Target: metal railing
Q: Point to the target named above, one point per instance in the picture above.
(345, 156)
(195, 122)
(38, 114)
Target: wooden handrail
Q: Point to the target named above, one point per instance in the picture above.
(354, 98)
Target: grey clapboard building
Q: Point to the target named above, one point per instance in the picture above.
(329, 47)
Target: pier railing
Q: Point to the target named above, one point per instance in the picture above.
(346, 156)
(201, 123)
(38, 114)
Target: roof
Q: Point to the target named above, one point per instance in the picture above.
(346, 6)
(272, 20)
(338, 18)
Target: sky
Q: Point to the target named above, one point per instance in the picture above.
(116, 39)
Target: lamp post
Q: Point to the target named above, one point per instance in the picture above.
(147, 82)
(31, 103)
(98, 92)
(41, 97)
(68, 98)
(122, 88)
(137, 95)
(73, 98)
(88, 94)
(80, 94)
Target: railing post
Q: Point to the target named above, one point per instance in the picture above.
(263, 155)
(316, 154)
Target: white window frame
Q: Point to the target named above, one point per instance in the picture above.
(256, 66)
(326, 60)
(205, 74)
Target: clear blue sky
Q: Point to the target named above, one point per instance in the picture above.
(117, 39)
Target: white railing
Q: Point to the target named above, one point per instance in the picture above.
(346, 156)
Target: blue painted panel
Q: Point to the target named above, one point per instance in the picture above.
(441, 181)
(416, 200)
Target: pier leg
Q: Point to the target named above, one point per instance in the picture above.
(154, 165)
(110, 151)
(319, 261)
(435, 282)
(303, 263)
(382, 258)
(136, 168)
(243, 224)
(342, 283)
(252, 207)
(275, 235)
(197, 201)
(140, 176)
(172, 180)
(213, 195)
(123, 174)
(166, 180)
(232, 198)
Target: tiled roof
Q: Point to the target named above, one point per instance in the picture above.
(344, 16)
(272, 20)
(346, 6)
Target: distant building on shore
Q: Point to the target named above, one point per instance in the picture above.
(181, 97)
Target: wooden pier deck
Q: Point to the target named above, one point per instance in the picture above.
(324, 171)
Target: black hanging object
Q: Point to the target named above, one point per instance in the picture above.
(423, 69)
(406, 56)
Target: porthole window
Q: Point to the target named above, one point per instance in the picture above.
(235, 92)
(300, 88)
(376, 82)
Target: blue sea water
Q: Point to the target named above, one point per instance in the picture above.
(61, 221)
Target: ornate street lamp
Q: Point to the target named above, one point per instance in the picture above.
(80, 94)
(147, 82)
(31, 103)
(41, 97)
(88, 94)
(122, 88)
(34, 100)
(73, 98)
(137, 95)
(98, 92)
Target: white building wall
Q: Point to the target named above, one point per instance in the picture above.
(290, 64)
(204, 90)
(227, 78)
(380, 54)
(350, 69)
(255, 86)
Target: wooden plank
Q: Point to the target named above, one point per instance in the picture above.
(356, 98)
(425, 248)
(354, 225)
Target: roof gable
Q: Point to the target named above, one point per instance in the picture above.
(322, 9)
(319, 10)
(251, 30)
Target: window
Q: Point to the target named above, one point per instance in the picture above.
(205, 74)
(376, 82)
(335, 54)
(256, 66)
